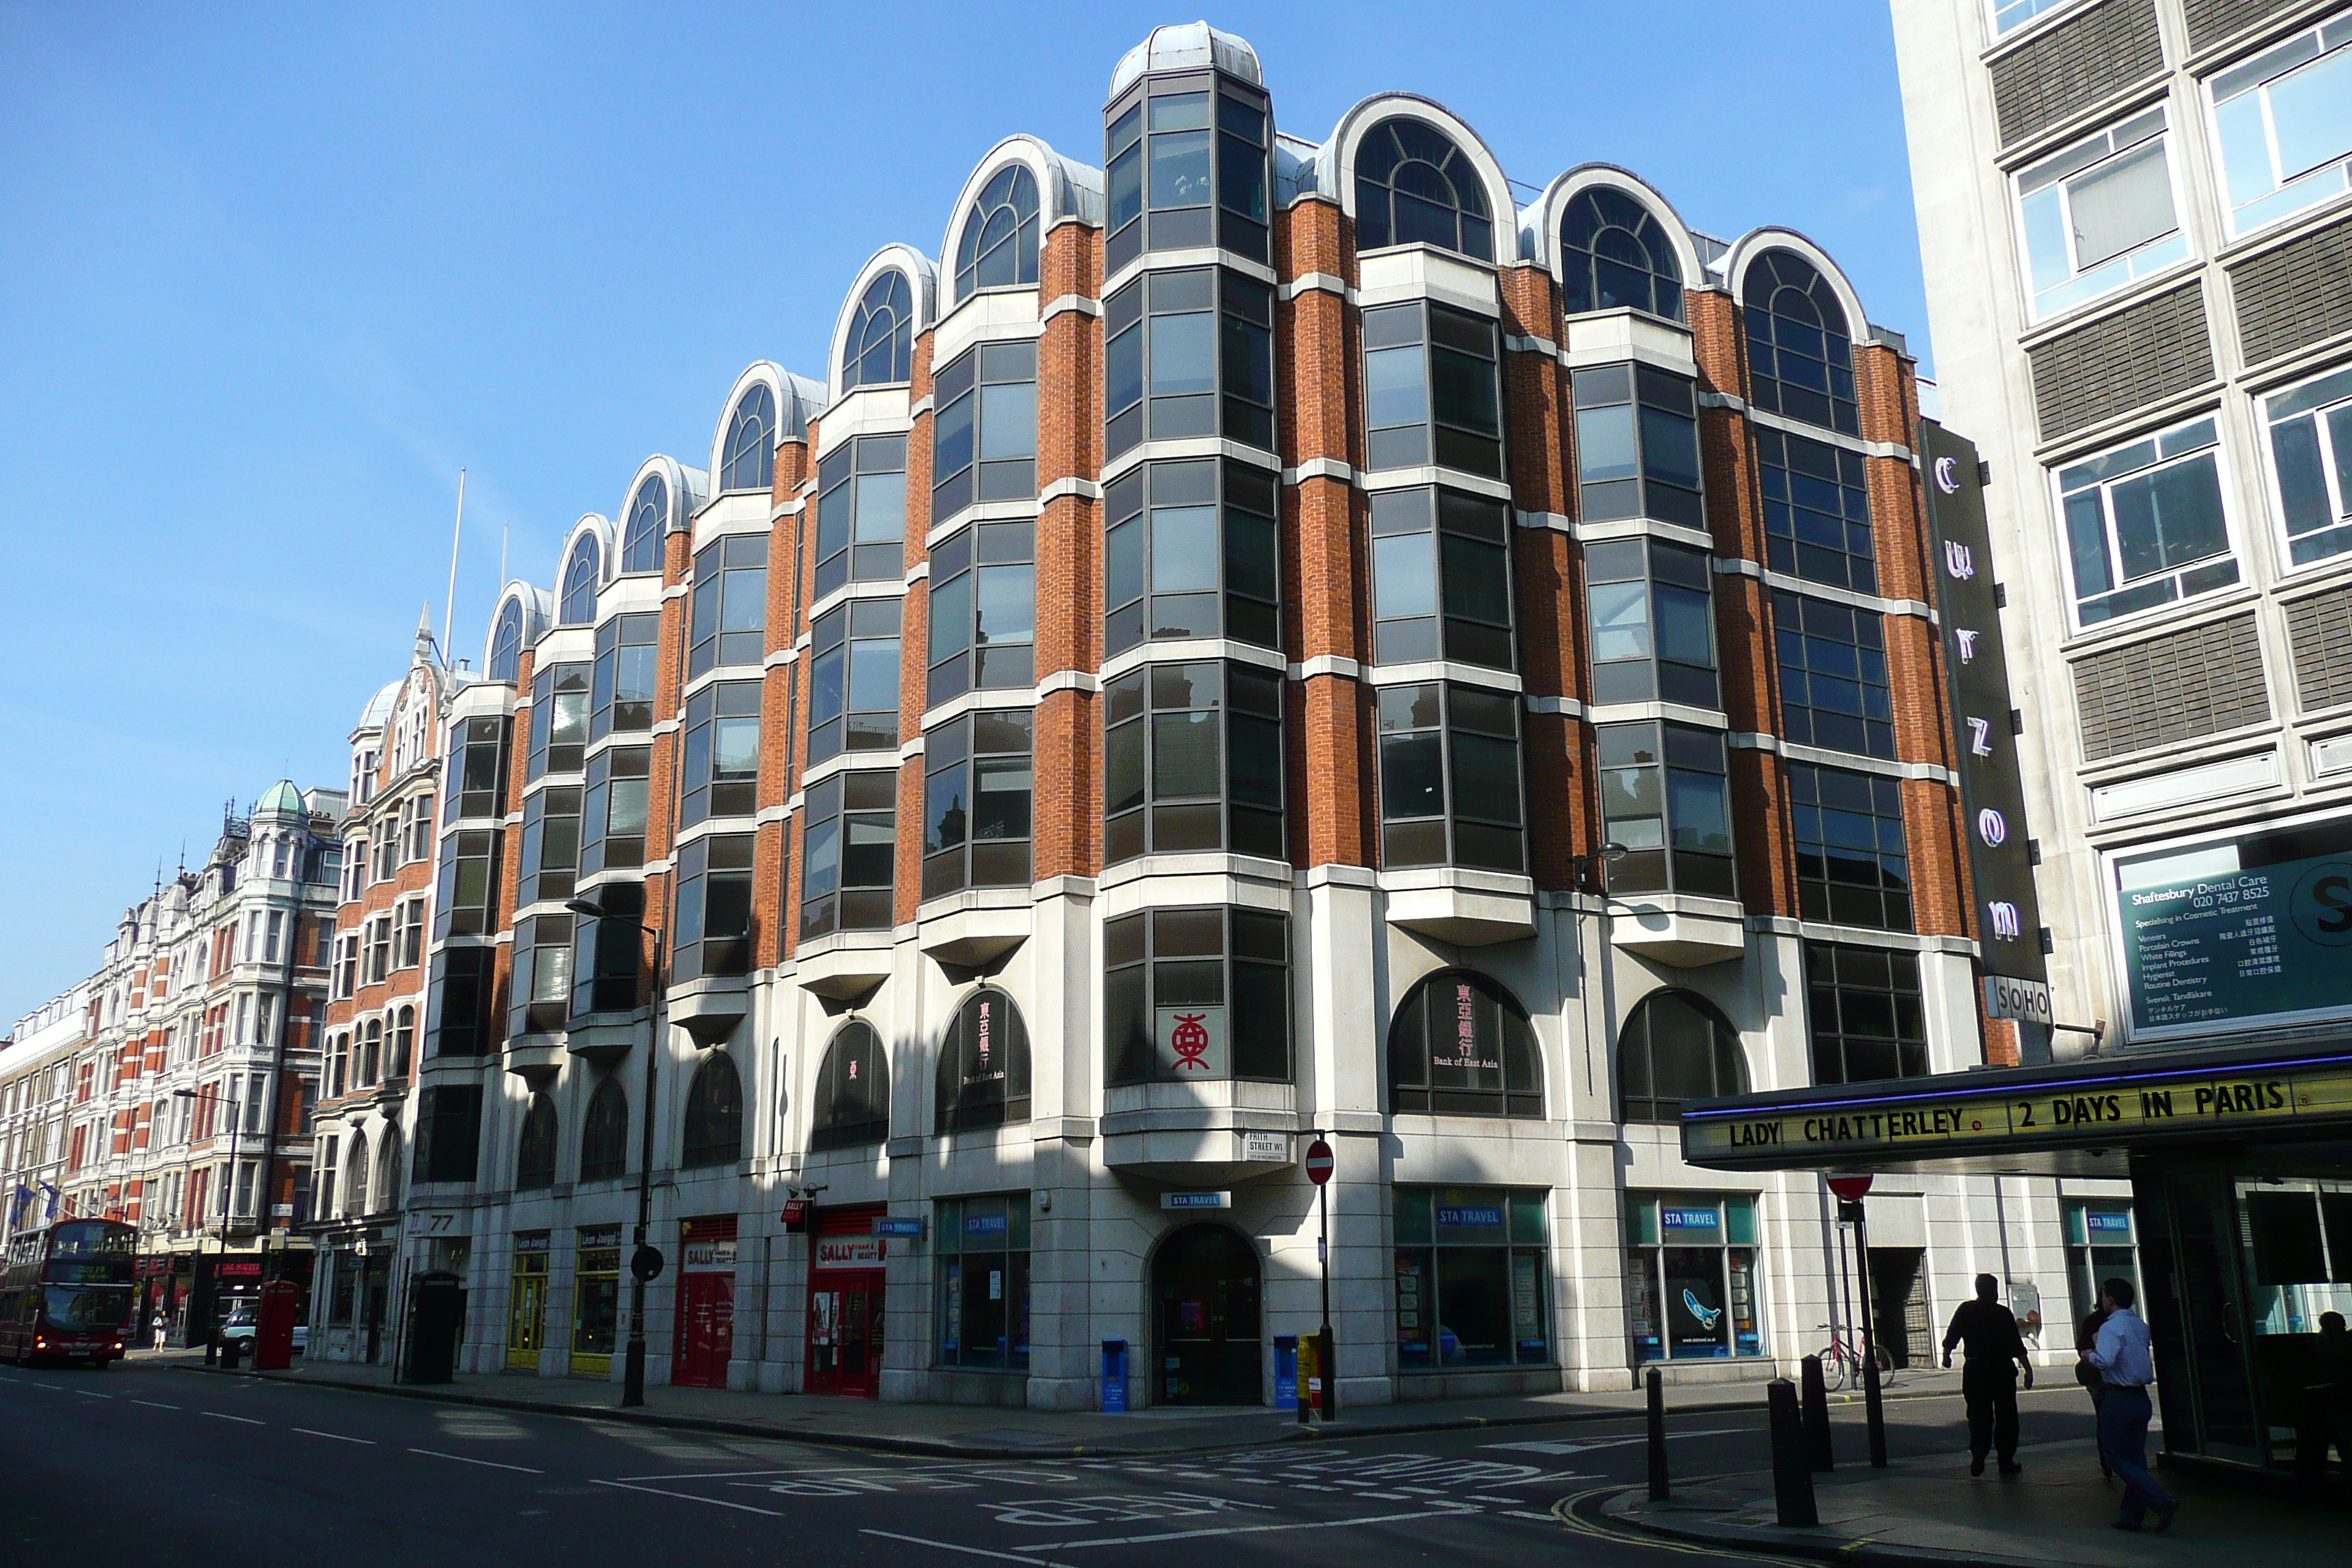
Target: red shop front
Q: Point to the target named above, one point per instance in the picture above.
(706, 1307)
(844, 1317)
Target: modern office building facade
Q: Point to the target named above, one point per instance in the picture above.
(1262, 638)
(2135, 218)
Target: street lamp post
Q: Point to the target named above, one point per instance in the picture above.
(228, 1190)
(645, 1261)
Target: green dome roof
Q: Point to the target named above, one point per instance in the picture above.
(281, 796)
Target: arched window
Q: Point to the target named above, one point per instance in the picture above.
(505, 643)
(1414, 187)
(579, 605)
(604, 1135)
(371, 1052)
(999, 248)
(749, 463)
(881, 343)
(641, 542)
(984, 1063)
(1799, 357)
(355, 1175)
(404, 1043)
(387, 1172)
(714, 1114)
(1675, 1046)
(1615, 253)
(535, 1155)
(1461, 1045)
(853, 1091)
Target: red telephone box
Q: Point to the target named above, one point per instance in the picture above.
(273, 1326)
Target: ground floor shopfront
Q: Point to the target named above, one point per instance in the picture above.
(2237, 1235)
(1437, 1290)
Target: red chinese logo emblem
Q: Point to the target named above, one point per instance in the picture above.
(1191, 1041)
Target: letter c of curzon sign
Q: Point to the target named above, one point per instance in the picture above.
(1948, 475)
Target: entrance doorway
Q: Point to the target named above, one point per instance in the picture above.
(844, 1332)
(527, 1307)
(1898, 1304)
(1204, 1296)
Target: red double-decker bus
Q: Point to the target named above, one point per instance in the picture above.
(66, 1292)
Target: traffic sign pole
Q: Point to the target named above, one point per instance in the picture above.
(1851, 1191)
(1318, 1171)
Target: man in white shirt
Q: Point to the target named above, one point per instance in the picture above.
(2122, 1357)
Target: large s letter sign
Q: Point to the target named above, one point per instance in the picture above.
(1993, 827)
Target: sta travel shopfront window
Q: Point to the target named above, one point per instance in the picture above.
(1691, 1277)
(984, 1281)
(1470, 1279)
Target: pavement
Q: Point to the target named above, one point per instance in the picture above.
(1928, 1511)
(976, 1431)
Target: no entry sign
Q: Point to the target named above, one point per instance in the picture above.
(1851, 1188)
(1319, 1162)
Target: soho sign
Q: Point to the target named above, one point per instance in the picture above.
(2026, 1001)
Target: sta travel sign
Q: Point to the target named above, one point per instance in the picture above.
(2078, 1113)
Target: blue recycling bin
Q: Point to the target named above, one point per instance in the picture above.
(1286, 1371)
(1114, 1377)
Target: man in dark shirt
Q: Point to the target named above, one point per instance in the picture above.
(1995, 1352)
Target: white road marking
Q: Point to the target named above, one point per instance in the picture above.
(1252, 1528)
(154, 1404)
(1523, 1513)
(337, 1436)
(971, 1550)
(86, 1394)
(689, 1497)
(487, 1464)
(248, 1420)
(1553, 1446)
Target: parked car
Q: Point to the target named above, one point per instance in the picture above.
(241, 1327)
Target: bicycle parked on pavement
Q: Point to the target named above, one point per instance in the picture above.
(1841, 1362)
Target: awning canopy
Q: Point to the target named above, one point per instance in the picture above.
(2079, 1118)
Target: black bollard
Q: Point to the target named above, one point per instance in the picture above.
(1659, 1489)
(1874, 1412)
(1817, 1415)
(1792, 1476)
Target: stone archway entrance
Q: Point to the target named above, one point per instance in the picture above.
(1205, 1287)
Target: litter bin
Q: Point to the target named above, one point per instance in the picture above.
(436, 1318)
(232, 1353)
(1114, 1377)
(1286, 1371)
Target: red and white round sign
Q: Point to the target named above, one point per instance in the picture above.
(1319, 1162)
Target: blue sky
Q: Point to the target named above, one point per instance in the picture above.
(269, 275)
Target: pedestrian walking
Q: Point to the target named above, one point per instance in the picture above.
(1989, 1383)
(159, 1329)
(2122, 1357)
(2329, 1418)
(2090, 1377)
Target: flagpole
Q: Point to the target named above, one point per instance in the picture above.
(449, 609)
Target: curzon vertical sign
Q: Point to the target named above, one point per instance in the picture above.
(2006, 919)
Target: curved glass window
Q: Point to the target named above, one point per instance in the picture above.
(628, 654)
(1462, 1045)
(1165, 154)
(1833, 690)
(1198, 994)
(748, 462)
(1614, 254)
(1637, 446)
(578, 606)
(719, 766)
(853, 1091)
(535, 1153)
(1192, 760)
(984, 437)
(714, 1115)
(1190, 553)
(1189, 352)
(849, 844)
(1816, 512)
(641, 540)
(998, 249)
(604, 1134)
(1652, 623)
(729, 622)
(1799, 357)
(881, 345)
(1414, 187)
(1665, 801)
(983, 609)
(713, 917)
(977, 793)
(861, 513)
(1450, 785)
(505, 643)
(1854, 859)
(984, 1063)
(1441, 578)
(853, 678)
(1431, 393)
